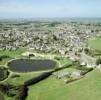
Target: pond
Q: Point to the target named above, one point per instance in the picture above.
(27, 65)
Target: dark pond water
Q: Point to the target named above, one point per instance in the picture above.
(26, 65)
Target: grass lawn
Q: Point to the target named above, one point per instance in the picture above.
(68, 70)
(52, 88)
(4, 61)
(11, 54)
(23, 77)
(95, 43)
(64, 60)
(19, 81)
(88, 88)
(50, 83)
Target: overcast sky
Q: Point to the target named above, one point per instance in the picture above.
(49, 8)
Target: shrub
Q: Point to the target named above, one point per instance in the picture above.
(57, 58)
(22, 93)
(3, 73)
(98, 61)
(15, 75)
(37, 79)
(85, 72)
(6, 89)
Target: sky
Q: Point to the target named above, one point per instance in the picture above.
(49, 8)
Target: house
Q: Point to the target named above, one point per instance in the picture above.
(27, 54)
(87, 60)
(72, 56)
(76, 74)
(98, 66)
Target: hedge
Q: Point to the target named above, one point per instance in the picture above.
(37, 79)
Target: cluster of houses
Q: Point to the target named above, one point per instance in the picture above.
(68, 40)
(60, 41)
(68, 76)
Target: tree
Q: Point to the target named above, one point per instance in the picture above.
(98, 61)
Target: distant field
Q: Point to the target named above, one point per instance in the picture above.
(45, 29)
(88, 88)
(95, 43)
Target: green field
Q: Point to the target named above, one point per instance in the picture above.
(64, 60)
(11, 54)
(22, 78)
(95, 43)
(88, 88)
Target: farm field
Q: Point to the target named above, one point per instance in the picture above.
(52, 89)
(95, 43)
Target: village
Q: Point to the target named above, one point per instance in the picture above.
(70, 39)
(50, 49)
(62, 51)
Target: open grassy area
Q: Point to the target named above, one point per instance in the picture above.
(21, 78)
(18, 79)
(10, 54)
(63, 60)
(88, 88)
(50, 83)
(13, 53)
(51, 88)
(95, 43)
(45, 29)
